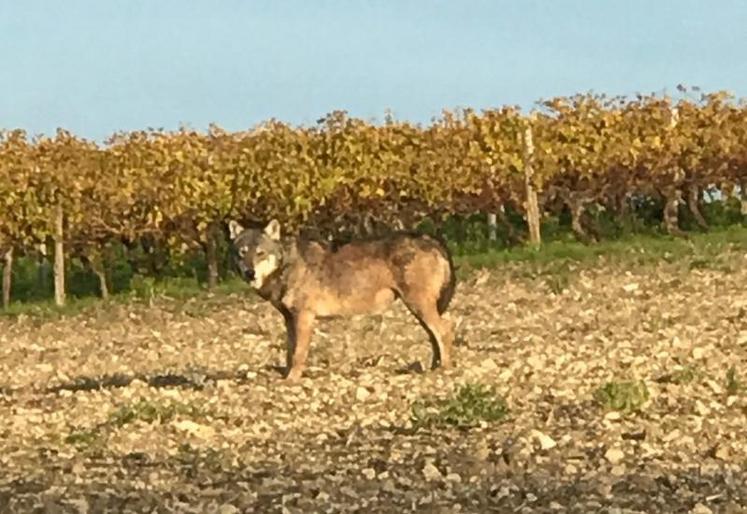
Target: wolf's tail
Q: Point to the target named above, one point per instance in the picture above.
(449, 287)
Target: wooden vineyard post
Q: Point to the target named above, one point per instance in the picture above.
(42, 268)
(532, 204)
(211, 240)
(7, 276)
(492, 226)
(59, 258)
(99, 269)
(673, 194)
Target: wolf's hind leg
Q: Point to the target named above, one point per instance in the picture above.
(440, 332)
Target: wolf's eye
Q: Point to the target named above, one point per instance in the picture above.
(259, 253)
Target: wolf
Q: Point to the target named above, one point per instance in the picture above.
(306, 280)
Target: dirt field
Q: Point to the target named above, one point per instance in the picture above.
(180, 407)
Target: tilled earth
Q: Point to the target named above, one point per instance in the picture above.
(180, 407)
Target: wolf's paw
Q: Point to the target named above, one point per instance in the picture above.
(442, 367)
(294, 376)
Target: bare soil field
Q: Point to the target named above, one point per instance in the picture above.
(180, 406)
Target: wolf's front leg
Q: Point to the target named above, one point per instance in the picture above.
(303, 326)
(290, 330)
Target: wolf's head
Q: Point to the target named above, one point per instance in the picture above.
(259, 250)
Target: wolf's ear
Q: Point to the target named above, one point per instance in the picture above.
(273, 229)
(234, 229)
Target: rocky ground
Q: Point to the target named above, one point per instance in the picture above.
(179, 407)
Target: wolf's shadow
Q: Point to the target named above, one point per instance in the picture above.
(189, 379)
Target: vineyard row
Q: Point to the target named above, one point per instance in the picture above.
(176, 187)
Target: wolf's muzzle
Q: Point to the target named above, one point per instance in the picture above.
(246, 272)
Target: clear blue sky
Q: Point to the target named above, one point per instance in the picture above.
(98, 66)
